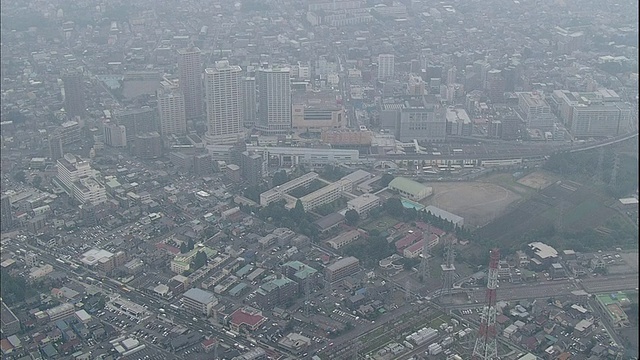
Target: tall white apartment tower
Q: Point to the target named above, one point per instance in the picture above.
(172, 115)
(223, 89)
(190, 71)
(274, 91)
(249, 108)
(386, 66)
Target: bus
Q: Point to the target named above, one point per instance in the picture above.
(125, 288)
(457, 151)
(60, 261)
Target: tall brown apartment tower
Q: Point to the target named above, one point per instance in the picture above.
(73, 94)
(190, 74)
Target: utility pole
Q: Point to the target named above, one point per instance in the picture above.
(307, 295)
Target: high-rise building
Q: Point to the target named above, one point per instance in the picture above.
(77, 179)
(73, 94)
(249, 110)
(452, 75)
(6, 214)
(148, 146)
(274, 90)
(55, 146)
(495, 85)
(535, 111)
(253, 167)
(171, 109)
(137, 121)
(115, 135)
(224, 103)
(190, 74)
(386, 66)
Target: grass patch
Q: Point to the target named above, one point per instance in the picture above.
(507, 181)
(381, 224)
(580, 211)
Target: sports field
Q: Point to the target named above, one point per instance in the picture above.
(477, 202)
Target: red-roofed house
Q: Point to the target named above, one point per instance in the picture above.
(437, 231)
(208, 344)
(170, 249)
(407, 240)
(6, 347)
(246, 317)
(414, 250)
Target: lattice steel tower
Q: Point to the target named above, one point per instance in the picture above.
(448, 268)
(425, 270)
(486, 347)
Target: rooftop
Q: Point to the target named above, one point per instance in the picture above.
(199, 295)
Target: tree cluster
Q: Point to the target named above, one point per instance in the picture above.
(295, 219)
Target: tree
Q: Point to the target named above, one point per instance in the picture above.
(352, 217)
(297, 213)
(393, 206)
(184, 248)
(37, 181)
(190, 245)
(20, 176)
(386, 179)
(200, 260)
(279, 178)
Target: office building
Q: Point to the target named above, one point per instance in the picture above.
(342, 268)
(416, 86)
(61, 311)
(202, 164)
(6, 213)
(190, 75)
(458, 122)
(274, 89)
(316, 111)
(199, 301)
(249, 103)
(276, 292)
(148, 145)
(71, 168)
(69, 132)
(253, 167)
(414, 118)
(115, 135)
(137, 121)
(89, 191)
(171, 109)
(74, 104)
(452, 75)
(386, 66)
(535, 111)
(223, 88)
(56, 150)
(9, 321)
(599, 113)
(495, 86)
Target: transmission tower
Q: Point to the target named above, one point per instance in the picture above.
(561, 217)
(598, 175)
(448, 268)
(407, 291)
(614, 171)
(486, 347)
(356, 350)
(307, 296)
(425, 270)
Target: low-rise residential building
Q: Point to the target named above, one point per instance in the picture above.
(344, 239)
(342, 268)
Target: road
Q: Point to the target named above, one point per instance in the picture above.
(154, 304)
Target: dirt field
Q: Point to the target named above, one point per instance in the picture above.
(477, 203)
(537, 180)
